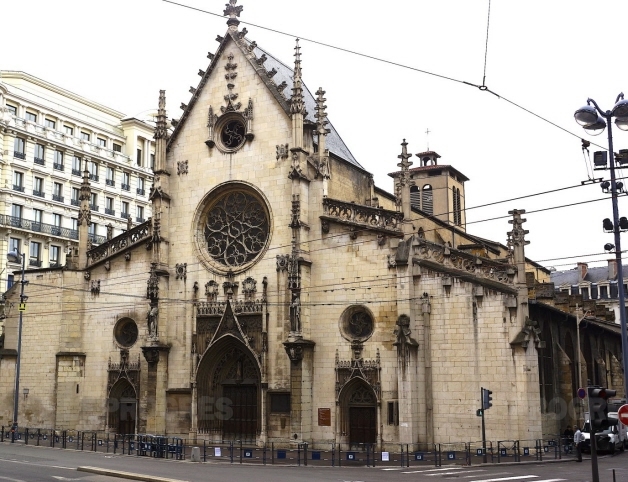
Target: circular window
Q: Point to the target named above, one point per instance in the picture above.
(356, 323)
(232, 134)
(125, 332)
(233, 228)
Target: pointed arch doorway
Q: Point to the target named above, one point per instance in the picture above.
(122, 408)
(228, 381)
(359, 413)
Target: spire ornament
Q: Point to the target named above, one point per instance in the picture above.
(297, 103)
(161, 131)
(233, 12)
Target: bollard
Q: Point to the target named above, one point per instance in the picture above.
(196, 454)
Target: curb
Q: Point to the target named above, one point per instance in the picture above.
(126, 475)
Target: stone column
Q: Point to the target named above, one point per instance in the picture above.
(153, 408)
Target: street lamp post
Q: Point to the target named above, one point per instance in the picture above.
(15, 256)
(594, 120)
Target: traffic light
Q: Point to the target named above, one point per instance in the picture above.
(598, 408)
(487, 399)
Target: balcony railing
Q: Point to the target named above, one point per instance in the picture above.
(40, 161)
(110, 211)
(124, 215)
(75, 202)
(139, 220)
(110, 182)
(119, 243)
(19, 155)
(140, 191)
(76, 172)
(125, 187)
(34, 262)
(93, 207)
(58, 167)
(57, 197)
(29, 225)
(93, 177)
(55, 264)
(17, 187)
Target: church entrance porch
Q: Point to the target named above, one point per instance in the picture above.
(122, 408)
(358, 413)
(228, 381)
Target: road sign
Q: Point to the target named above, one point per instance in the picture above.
(622, 414)
(582, 393)
(22, 306)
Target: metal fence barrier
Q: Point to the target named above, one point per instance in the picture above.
(291, 453)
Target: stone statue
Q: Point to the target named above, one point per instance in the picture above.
(153, 313)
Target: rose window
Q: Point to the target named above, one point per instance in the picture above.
(236, 229)
(232, 134)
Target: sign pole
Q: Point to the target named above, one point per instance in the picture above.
(483, 427)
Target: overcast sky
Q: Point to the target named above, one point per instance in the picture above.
(546, 56)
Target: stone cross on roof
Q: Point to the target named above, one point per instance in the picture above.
(233, 12)
(404, 156)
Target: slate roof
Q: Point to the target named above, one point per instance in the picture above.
(334, 142)
(571, 277)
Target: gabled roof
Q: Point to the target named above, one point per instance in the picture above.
(438, 167)
(335, 144)
(595, 274)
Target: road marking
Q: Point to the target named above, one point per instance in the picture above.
(456, 472)
(492, 475)
(396, 468)
(430, 470)
(12, 480)
(509, 478)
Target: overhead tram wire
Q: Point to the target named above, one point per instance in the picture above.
(353, 243)
(483, 88)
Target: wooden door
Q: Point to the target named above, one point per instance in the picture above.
(242, 424)
(126, 417)
(362, 425)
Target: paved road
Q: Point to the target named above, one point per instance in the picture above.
(34, 464)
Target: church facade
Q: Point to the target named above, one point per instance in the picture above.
(277, 294)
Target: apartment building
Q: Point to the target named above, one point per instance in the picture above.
(48, 137)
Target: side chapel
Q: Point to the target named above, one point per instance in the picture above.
(277, 294)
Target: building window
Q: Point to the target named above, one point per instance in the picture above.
(10, 281)
(37, 216)
(19, 148)
(126, 181)
(16, 211)
(139, 157)
(111, 176)
(109, 206)
(15, 245)
(427, 200)
(35, 254)
(393, 413)
(85, 136)
(152, 161)
(69, 131)
(12, 109)
(585, 293)
(18, 181)
(117, 147)
(74, 224)
(280, 403)
(93, 201)
(50, 124)
(54, 256)
(575, 290)
(603, 292)
(38, 187)
(140, 214)
(57, 192)
(39, 155)
(125, 210)
(92, 228)
(76, 166)
(140, 186)
(93, 171)
(31, 117)
(102, 142)
(58, 162)
(57, 219)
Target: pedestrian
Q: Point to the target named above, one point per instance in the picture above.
(577, 440)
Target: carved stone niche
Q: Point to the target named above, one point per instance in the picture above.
(296, 349)
(152, 353)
